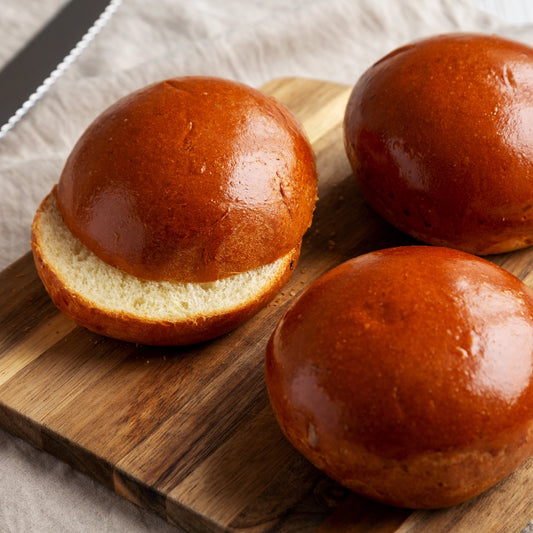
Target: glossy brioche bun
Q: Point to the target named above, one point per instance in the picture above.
(406, 375)
(190, 179)
(179, 213)
(438, 133)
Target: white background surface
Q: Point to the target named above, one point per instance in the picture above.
(249, 40)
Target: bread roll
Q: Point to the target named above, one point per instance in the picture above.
(406, 375)
(179, 212)
(438, 133)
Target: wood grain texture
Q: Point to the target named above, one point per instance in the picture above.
(188, 432)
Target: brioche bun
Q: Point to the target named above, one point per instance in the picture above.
(406, 375)
(179, 212)
(438, 133)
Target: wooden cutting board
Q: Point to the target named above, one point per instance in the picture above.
(188, 432)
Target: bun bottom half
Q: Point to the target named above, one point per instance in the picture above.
(110, 302)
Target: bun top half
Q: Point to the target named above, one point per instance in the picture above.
(191, 179)
(439, 134)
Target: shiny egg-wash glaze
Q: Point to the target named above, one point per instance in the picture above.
(406, 375)
(440, 137)
(191, 179)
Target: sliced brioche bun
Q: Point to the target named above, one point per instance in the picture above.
(438, 133)
(114, 303)
(179, 212)
(406, 375)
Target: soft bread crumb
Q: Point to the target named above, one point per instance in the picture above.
(115, 291)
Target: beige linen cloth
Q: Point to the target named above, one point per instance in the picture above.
(249, 40)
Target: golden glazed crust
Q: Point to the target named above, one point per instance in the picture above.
(438, 133)
(191, 179)
(406, 375)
